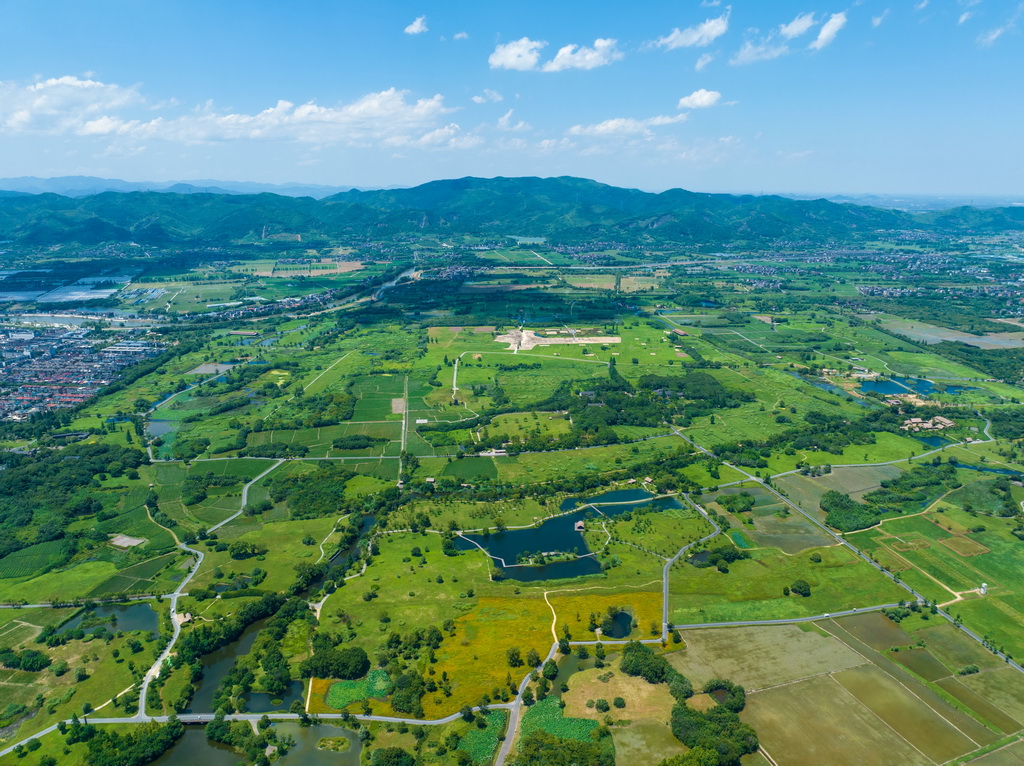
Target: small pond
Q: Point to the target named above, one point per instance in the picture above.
(115, 617)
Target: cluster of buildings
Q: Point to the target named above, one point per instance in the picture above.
(58, 368)
(938, 423)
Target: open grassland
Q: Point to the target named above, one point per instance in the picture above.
(573, 608)
(645, 742)
(752, 589)
(536, 467)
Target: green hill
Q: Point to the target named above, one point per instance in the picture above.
(563, 209)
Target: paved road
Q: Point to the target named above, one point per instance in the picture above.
(154, 671)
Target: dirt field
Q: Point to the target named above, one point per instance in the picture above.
(817, 722)
(965, 546)
(643, 700)
(906, 713)
(762, 656)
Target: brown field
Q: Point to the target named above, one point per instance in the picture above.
(643, 700)
(761, 656)
(922, 662)
(816, 722)
(965, 546)
(874, 629)
(1002, 687)
(701, 702)
(906, 713)
(980, 705)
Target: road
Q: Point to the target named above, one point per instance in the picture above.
(154, 671)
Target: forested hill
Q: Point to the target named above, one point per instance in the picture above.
(562, 209)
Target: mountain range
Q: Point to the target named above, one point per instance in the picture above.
(563, 209)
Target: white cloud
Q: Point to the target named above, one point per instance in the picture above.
(505, 123)
(876, 21)
(488, 95)
(699, 36)
(828, 31)
(699, 99)
(61, 104)
(522, 55)
(625, 126)
(921, 5)
(964, 16)
(765, 50)
(703, 61)
(603, 53)
(461, 36)
(418, 27)
(989, 38)
(797, 26)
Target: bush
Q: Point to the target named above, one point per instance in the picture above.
(801, 588)
(619, 703)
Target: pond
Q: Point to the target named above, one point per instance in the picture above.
(933, 441)
(115, 617)
(194, 748)
(160, 427)
(824, 385)
(898, 384)
(559, 535)
(305, 752)
(261, 702)
(623, 625)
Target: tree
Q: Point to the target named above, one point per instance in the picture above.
(467, 713)
(550, 670)
(514, 658)
(528, 698)
(392, 756)
(532, 658)
(801, 588)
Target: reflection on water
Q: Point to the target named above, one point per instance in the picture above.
(115, 617)
(559, 535)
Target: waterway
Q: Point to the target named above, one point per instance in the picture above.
(194, 749)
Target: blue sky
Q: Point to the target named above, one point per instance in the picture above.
(882, 96)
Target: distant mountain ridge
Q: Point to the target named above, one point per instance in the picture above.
(85, 186)
(564, 209)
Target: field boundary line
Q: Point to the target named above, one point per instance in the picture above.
(881, 720)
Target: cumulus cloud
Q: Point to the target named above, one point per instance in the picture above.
(625, 126)
(461, 36)
(703, 61)
(828, 31)
(699, 36)
(418, 26)
(797, 26)
(488, 95)
(505, 123)
(90, 108)
(61, 104)
(604, 52)
(521, 55)
(699, 99)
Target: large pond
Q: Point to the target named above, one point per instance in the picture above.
(559, 535)
(115, 617)
(161, 427)
(194, 749)
(903, 385)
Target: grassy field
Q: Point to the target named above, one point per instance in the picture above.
(752, 590)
